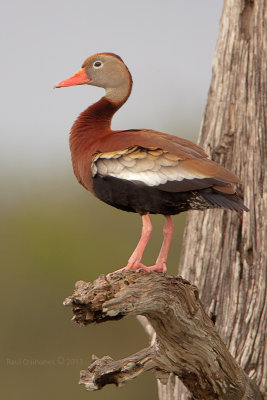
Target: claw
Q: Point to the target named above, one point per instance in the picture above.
(135, 266)
(134, 263)
(159, 267)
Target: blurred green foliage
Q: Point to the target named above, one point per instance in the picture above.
(52, 236)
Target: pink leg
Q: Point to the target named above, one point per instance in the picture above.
(168, 230)
(134, 261)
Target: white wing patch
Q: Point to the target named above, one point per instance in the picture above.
(152, 166)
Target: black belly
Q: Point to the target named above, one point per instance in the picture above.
(142, 199)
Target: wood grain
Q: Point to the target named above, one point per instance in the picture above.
(225, 254)
(186, 343)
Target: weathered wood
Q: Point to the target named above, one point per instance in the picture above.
(225, 254)
(186, 342)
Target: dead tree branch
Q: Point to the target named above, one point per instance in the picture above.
(186, 344)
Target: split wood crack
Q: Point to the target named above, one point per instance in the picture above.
(186, 342)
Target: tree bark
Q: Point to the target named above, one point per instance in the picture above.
(228, 261)
(186, 342)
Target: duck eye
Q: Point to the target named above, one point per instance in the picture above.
(97, 64)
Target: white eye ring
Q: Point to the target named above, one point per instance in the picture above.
(98, 64)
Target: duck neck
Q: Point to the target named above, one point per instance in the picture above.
(92, 123)
(95, 119)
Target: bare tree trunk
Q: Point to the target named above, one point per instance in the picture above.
(224, 254)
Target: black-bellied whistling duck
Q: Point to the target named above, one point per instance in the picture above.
(141, 170)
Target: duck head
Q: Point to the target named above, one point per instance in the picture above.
(106, 70)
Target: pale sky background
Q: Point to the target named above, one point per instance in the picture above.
(168, 46)
(53, 231)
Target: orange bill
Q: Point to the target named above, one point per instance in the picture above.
(80, 78)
